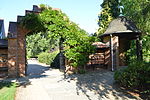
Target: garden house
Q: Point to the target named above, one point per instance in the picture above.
(118, 35)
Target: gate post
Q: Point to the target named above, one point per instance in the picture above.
(16, 50)
(12, 50)
(21, 54)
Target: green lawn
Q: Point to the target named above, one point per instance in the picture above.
(7, 90)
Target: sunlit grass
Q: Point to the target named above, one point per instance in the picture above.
(7, 90)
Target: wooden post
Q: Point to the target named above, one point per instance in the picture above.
(111, 50)
(139, 48)
(117, 51)
(104, 56)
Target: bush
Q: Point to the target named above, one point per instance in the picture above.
(135, 76)
(47, 58)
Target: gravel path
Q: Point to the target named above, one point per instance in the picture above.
(44, 83)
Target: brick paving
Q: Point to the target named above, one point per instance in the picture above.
(44, 83)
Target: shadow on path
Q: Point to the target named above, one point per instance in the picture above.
(101, 83)
(34, 71)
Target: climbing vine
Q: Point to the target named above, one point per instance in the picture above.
(55, 25)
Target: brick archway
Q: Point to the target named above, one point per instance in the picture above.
(17, 46)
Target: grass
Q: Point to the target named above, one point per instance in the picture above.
(7, 90)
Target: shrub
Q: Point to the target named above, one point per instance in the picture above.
(47, 58)
(135, 76)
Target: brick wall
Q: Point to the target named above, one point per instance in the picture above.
(12, 57)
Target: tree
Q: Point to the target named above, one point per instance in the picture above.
(139, 12)
(108, 13)
(140, 9)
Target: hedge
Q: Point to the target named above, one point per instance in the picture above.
(47, 58)
(135, 76)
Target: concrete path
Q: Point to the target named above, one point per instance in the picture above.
(44, 83)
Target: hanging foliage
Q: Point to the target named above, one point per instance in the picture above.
(57, 26)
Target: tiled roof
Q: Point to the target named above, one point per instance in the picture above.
(121, 25)
(12, 31)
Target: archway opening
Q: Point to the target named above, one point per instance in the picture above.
(50, 25)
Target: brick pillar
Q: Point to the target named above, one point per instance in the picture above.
(21, 51)
(12, 57)
(16, 54)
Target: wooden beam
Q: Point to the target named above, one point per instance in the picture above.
(111, 50)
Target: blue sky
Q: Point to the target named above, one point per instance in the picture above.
(82, 12)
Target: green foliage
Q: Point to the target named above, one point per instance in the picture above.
(56, 27)
(37, 43)
(32, 22)
(131, 53)
(105, 18)
(146, 48)
(140, 9)
(135, 76)
(7, 90)
(79, 48)
(47, 58)
(78, 55)
(108, 13)
(55, 22)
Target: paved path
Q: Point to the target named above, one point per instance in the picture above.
(44, 83)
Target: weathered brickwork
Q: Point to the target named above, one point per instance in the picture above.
(21, 50)
(12, 57)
